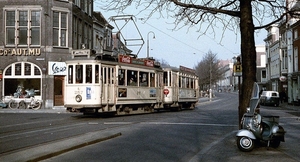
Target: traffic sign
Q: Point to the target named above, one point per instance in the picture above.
(237, 69)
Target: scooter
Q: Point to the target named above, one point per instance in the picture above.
(255, 128)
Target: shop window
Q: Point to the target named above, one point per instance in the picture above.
(27, 69)
(37, 71)
(20, 74)
(18, 69)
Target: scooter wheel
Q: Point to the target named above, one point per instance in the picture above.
(275, 143)
(245, 144)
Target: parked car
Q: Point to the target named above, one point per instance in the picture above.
(270, 98)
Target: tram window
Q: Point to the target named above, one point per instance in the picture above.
(112, 76)
(143, 79)
(121, 77)
(79, 73)
(170, 78)
(104, 74)
(187, 82)
(152, 79)
(88, 74)
(70, 74)
(97, 74)
(183, 82)
(131, 78)
(166, 78)
(180, 80)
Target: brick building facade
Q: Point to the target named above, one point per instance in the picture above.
(36, 38)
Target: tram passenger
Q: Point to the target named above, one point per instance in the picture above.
(132, 82)
(143, 82)
(121, 81)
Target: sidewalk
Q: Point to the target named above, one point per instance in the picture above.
(55, 109)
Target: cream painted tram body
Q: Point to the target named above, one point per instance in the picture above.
(181, 88)
(121, 86)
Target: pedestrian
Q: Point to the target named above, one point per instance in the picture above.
(282, 96)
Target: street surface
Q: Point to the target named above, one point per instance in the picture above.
(204, 134)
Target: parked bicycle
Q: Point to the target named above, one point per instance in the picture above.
(34, 104)
(19, 99)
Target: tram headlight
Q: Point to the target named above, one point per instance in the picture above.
(78, 98)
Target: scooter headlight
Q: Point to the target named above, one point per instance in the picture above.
(275, 129)
(78, 98)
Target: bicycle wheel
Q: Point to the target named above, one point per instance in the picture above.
(13, 104)
(22, 105)
(37, 105)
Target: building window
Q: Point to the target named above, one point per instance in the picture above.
(24, 74)
(60, 29)
(263, 74)
(22, 27)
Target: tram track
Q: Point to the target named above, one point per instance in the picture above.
(45, 135)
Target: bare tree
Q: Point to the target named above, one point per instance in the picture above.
(239, 16)
(209, 70)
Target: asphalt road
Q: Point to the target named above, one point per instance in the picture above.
(204, 134)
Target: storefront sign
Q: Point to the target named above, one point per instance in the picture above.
(57, 68)
(282, 78)
(20, 52)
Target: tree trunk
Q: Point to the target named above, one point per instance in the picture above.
(248, 56)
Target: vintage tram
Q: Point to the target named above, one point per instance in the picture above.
(125, 84)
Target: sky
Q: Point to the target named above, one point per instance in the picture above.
(183, 47)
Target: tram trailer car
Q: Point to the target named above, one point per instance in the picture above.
(124, 85)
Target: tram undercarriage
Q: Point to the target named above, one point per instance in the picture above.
(130, 109)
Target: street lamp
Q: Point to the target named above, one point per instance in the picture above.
(148, 41)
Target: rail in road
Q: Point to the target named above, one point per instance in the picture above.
(39, 136)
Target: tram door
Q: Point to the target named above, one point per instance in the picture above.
(174, 86)
(159, 84)
(108, 81)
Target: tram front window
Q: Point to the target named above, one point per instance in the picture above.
(79, 73)
(88, 74)
(97, 74)
(70, 74)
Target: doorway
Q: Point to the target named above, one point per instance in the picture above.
(59, 90)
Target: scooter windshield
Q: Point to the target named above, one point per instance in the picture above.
(254, 98)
